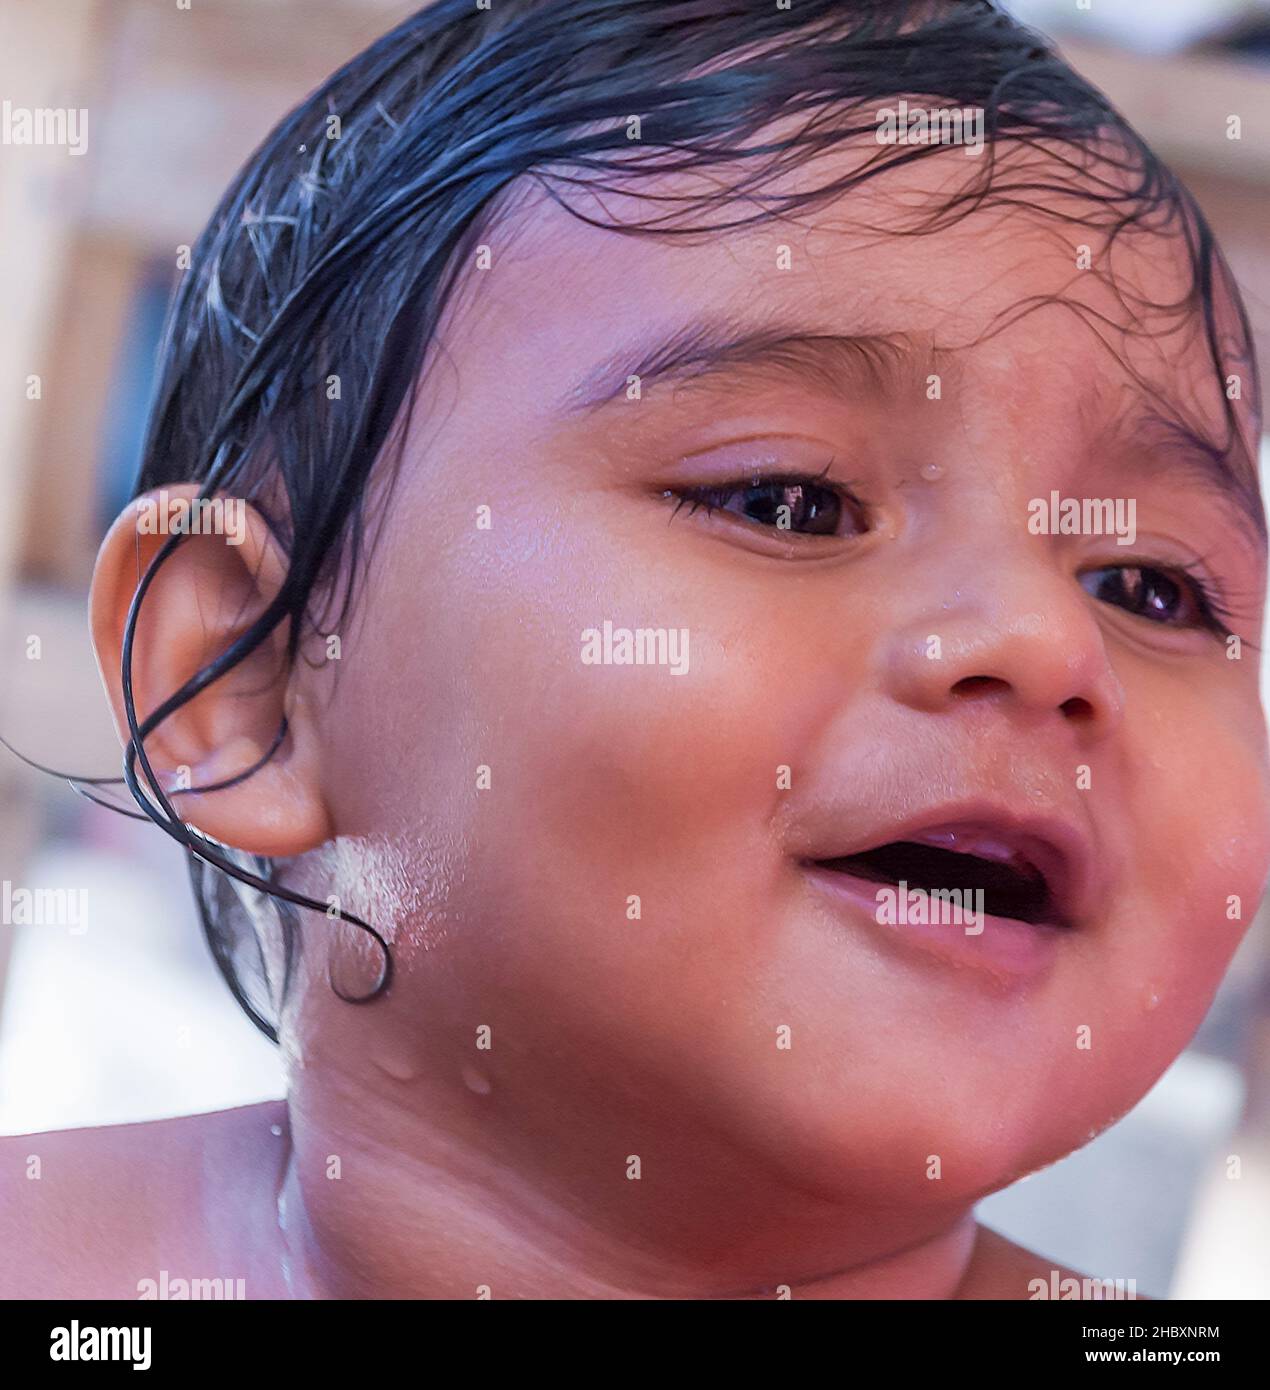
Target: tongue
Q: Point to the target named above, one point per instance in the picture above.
(1010, 890)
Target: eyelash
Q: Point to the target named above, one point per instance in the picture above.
(1213, 615)
(716, 498)
(1216, 614)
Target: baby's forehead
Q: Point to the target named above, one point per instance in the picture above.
(1033, 290)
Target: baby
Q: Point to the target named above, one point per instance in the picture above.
(725, 727)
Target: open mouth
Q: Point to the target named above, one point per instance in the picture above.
(1013, 886)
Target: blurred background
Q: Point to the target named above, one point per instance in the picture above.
(121, 1016)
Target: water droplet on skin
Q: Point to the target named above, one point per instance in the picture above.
(276, 1131)
(399, 1068)
(1149, 998)
(475, 1081)
(932, 472)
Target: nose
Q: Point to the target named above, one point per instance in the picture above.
(1028, 642)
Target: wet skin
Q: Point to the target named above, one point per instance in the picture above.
(921, 1073)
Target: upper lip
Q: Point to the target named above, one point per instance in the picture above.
(1058, 848)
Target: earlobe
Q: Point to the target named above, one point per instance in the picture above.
(206, 593)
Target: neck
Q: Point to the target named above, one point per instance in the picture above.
(416, 1211)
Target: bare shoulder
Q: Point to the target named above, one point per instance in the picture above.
(88, 1213)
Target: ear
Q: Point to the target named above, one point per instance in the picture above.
(218, 579)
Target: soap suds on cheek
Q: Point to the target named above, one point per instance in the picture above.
(410, 890)
(402, 885)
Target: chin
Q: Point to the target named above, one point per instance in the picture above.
(881, 1138)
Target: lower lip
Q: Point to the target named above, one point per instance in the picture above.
(1004, 947)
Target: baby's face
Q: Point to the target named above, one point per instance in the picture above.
(660, 896)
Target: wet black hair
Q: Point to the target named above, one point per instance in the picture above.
(346, 235)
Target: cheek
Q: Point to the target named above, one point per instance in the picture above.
(623, 861)
(611, 778)
(1199, 816)
(1192, 834)
(632, 802)
(557, 791)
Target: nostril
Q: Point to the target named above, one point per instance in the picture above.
(1077, 709)
(970, 686)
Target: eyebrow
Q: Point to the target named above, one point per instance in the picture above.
(699, 352)
(1178, 451)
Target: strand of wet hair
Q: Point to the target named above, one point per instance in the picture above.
(158, 809)
(154, 802)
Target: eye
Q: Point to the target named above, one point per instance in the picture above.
(802, 505)
(1160, 596)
